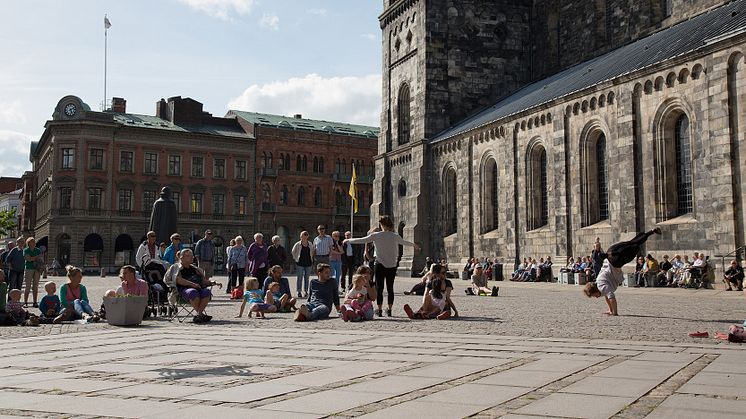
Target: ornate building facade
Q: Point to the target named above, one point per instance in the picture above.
(531, 128)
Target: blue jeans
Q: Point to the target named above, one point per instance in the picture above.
(336, 270)
(82, 307)
(318, 310)
(304, 275)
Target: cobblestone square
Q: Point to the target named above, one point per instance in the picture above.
(536, 351)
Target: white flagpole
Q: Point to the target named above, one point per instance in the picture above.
(106, 33)
(352, 208)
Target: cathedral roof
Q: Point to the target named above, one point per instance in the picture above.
(684, 38)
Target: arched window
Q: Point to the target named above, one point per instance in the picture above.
(403, 115)
(298, 164)
(269, 161)
(266, 194)
(673, 171)
(304, 166)
(338, 167)
(287, 161)
(595, 187)
(450, 213)
(321, 165)
(317, 201)
(338, 200)
(402, 188)
(344, 166)
(284, 195)
(537, 191)
(282, 161)
(301, 196)
(683, 166)
(316, 165)
(489, 196)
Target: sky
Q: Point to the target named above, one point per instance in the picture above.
(319, 58)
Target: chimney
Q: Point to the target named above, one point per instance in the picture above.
(162, 110)
(298, 116)
(118, 105)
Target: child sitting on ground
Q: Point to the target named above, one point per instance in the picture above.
(253, 296)
(479, 284)
(433, 304)
(17, 316)
(282, 302)
(50, 305)
(357, 306)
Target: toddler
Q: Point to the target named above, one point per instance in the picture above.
(359, 306)
(281, 301)
(16, 314)
(50, 305)
(111, 294)
(253, 296)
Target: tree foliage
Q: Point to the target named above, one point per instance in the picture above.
(8, 221)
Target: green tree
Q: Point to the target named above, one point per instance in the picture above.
(8, 221)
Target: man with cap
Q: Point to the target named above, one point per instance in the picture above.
(611, 276)
(204, 252)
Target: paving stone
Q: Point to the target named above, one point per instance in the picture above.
(719, 379)
(606, 386)
(200, 412)
(449, 371)
(94, 406)
(15, 380)
(680, 406)
(565, 365)
(408, 410)
(676, 358)
(522, 378)
(477, 394)
(116, 368)
(326, 402)
(339, 373)
(166, 391)
(577, 406)
(83, 385)
(647, 370)
(248, 392)
(393, 384)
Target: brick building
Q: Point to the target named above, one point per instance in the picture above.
(303, 172)
(529, 128)
(95, 176)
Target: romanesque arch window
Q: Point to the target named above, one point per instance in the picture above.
(450, 211)
(284, 195)
(683, 166)
(321, 165)
(675, 196)
(298, 163)
(537, 187)
(595, 188)
(403, 114)
(266, 194)
(286, 162)
(282, 161)
(301, 196)
(489, 196)
(316, 165)
(317, 201)
(402, 188)
(304, 163)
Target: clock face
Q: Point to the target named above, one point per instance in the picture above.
(70, 109)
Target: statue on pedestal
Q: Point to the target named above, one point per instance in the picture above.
(163, 218)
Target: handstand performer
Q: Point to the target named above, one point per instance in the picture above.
(611, 276)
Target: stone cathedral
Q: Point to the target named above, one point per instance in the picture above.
(527, 128)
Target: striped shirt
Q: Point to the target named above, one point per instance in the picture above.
(323, 245)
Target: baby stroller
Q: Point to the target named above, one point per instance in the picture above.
(153, 273)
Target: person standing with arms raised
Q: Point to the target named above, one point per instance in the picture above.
(387, 254)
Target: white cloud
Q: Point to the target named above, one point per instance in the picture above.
(320, 12)
(221, 9)
(10, 113)
(343, 99)
(270, 21)
(369, 36)
(15, 149)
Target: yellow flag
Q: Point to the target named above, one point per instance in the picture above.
(353, 189)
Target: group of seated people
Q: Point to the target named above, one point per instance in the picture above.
(532, 270)
(677, 272)
(486, 264)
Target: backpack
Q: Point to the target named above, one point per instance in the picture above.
(237, 293)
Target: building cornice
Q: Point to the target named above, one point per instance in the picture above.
(395, 10)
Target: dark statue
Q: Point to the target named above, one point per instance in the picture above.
(163, 218)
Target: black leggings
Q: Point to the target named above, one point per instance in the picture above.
(388, 274)
(619, 254)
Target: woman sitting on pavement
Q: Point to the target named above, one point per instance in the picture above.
(479, 284)
(367, 274)
(74, 297)
(419, 288)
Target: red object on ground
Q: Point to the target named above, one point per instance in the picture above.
(699, 334)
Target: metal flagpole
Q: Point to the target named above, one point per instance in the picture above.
(106, 33)
(352, 207)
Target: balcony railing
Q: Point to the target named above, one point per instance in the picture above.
(269, 172)
(347, 178)
(267, 207)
